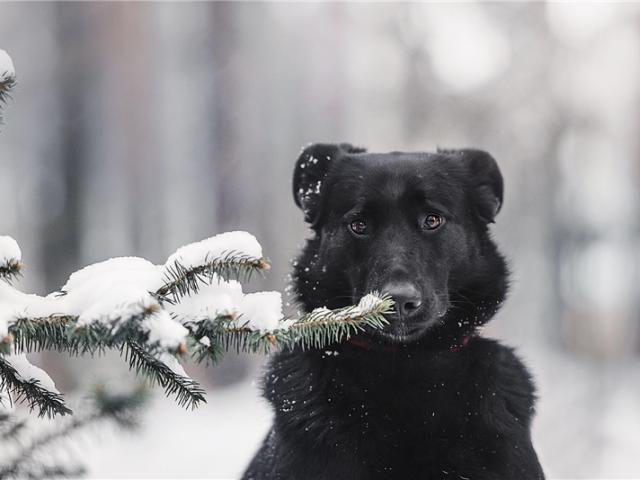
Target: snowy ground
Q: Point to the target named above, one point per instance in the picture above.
(588, 422)
(588, 426)
(214, 441)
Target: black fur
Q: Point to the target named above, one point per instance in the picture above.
(426, 398)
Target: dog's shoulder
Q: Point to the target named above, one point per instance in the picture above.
(501, 376)
(293, 384)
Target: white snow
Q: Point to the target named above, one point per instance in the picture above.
(164, 331)
(204, 251)
(114, 291)
(215, 441)
(117, 304)
(172, 362)
(9, 250)
(30, 372)
(107, 291)
(257, 311)
(219, 298)
(367, 304)
(15, 304)
(7, 70)
(120, 269)
(261, 311)
(25, 303)
(110, 292)
(117, 289)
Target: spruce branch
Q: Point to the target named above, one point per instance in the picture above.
(188, 392)
(321, 328)
(31, 392)
(10, 254)
(62, 333)
(7, 82)
(43, 333)
(181, 281)
(99, 336)
(147, 330)
(224, 333)
(7, 79)
(317, 329)
(10, 270)
(214, 330)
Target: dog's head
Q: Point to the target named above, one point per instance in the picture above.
(413, 225)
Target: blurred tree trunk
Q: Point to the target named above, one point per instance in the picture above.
(61, 233)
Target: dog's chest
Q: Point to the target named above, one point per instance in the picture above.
(380, 418)
(394, 412)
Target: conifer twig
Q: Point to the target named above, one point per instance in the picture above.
(31, 392)
(188, 392)
(61, 333)
(43, 333)
(317, 329)
(7, 80)
(10, 270)
(181, 281)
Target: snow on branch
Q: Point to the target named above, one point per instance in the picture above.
(192, 305)
(7, 70)
(7, 77)
(165, 371)
(318, 329)
(10, 256)
(228, 255)
(16, 380)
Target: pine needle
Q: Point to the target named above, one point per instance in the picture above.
(31, 392)
(6, 85)
(318, 330)
(188, 392)
(47, 333)
(181, 281)
(10, 270)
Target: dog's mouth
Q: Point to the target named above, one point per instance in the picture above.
(401, 330)
(400, 338)
(407, 325)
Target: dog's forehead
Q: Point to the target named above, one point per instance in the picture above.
(391, 175)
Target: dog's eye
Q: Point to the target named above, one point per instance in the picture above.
(433, 221)
(359, 227)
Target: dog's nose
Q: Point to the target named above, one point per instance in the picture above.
(406, 296)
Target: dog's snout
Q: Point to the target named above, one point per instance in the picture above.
(406, 296)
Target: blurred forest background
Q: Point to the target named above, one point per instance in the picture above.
(138, 127)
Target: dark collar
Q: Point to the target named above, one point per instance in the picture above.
(366, 344)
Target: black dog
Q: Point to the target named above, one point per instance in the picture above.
(426, 398)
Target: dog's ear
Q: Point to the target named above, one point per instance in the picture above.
(485, 179)
(312, 167)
